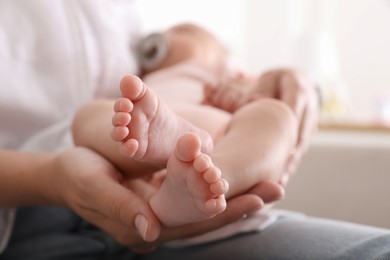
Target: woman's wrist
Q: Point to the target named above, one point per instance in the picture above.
(51, 183)
(25, 178)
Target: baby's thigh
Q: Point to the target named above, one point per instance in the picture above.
(211, 119)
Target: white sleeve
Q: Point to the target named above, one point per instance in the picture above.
(6, 221)
(47, 69)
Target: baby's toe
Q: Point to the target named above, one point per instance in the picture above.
(123, 105)
(220, 187)
(212, 175)
(216, 205)
(119, 133)
(121, 119)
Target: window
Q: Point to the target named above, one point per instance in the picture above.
(343, 44)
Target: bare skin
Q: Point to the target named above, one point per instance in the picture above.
(288, 85)
(255, 147)
(191, 178)
(149, 121)
(194, 182)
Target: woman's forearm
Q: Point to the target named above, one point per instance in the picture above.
(26, 178)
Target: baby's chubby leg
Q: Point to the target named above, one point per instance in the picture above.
(257, 145)
(193, 189)
(146, 126)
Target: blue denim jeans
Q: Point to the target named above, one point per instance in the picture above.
(58, 233)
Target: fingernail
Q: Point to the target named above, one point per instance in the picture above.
(141, 223)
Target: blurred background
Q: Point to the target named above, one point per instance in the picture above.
(344, 45)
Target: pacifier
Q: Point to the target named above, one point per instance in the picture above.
(152, 50)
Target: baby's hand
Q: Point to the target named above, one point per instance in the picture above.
(229, 94)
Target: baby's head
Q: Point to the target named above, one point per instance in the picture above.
(180, 43)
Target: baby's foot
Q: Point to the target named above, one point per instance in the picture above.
(193, 189)
(146, 126)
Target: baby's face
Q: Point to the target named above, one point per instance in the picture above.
(190, 42)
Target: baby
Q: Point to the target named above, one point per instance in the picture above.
(171, 120)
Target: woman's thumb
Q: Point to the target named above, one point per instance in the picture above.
(133, 212)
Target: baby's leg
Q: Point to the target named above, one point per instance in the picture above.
(146, 126)
(257, 145)
(193, 189)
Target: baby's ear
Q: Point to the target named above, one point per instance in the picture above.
(152, 51)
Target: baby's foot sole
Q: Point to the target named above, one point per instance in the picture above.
(193, 190)
(152, 127)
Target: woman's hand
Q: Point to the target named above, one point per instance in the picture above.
(236, 209)
(94, 189)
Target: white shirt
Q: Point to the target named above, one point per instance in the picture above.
(56, 55)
